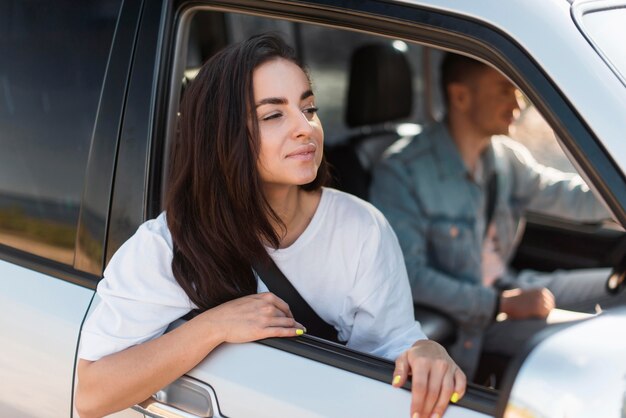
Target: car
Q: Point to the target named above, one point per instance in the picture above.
(88, 105)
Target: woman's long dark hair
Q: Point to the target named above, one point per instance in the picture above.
(216, 211)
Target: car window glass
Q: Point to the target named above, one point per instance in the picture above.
(533, 131)
(53, 62)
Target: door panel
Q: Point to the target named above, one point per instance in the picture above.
(261, 381)
(40, 319)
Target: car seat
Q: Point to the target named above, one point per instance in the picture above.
(380, 94)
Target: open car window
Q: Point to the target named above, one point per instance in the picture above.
(327, 52)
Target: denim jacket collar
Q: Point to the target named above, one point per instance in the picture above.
(450, 163)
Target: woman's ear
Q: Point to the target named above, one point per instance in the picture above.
(459, 97)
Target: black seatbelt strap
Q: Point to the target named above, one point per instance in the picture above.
(280, 285)
(492, 194)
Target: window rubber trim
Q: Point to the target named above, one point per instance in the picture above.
(49, 267)
(477, 398)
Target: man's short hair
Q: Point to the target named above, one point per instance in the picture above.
(457, 68)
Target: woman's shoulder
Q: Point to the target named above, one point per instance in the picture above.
(155, 229)
(152, 240)
(354, 209)
(143, 265)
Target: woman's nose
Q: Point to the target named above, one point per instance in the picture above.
(302, 125)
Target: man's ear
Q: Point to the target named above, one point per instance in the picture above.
(459, 97)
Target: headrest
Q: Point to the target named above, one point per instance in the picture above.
(380, 87)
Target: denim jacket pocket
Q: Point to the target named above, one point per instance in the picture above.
(450, 248)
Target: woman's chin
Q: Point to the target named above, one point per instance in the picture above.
(307, 180)
(304, 176)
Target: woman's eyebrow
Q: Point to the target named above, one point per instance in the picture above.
(282, 100)
(306, 94)
(272, 100)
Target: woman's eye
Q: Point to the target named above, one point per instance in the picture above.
(310, 111)
(271, 116)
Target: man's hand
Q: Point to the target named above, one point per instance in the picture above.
(528, 303)
(436, 379)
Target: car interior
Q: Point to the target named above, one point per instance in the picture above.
(374, 91)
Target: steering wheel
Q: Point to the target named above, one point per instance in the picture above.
(617, 278)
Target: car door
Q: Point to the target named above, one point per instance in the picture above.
(52, 73)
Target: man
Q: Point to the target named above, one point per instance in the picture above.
(455, 196)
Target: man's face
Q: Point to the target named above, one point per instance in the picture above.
(493, 103)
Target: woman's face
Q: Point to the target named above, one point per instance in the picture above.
(291, 135)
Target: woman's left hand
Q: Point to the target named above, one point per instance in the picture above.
(435, 378)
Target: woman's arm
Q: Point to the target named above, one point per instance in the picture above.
(123, 379)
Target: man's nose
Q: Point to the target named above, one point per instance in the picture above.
(519, 103)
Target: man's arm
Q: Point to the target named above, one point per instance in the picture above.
(547, 190)
(395, 195)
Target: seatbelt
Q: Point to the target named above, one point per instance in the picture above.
(280, 285)
(492, 194)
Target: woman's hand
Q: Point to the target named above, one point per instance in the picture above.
(435, 378)
(252, 318)
(127, 377)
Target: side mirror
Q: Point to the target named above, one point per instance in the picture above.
(576, 370)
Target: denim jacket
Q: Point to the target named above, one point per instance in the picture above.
(438, 213)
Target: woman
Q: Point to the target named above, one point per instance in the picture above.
(245, 184)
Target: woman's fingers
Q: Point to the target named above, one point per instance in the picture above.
(255, 317)
(419, 386)
(401, 373)
(440, 385)
(281, 327)
(436, 379)
(460, 383)
(277, 302)
(284, 322)
(445, 395)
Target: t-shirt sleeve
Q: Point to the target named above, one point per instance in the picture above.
(384, 322)
(139, 296)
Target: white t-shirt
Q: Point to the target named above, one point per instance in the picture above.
(347, 265)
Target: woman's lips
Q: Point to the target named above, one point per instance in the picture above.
(304, 152)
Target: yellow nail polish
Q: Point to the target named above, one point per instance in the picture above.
(454, 398)
(415, 415)
(396, 379)
(299, 332)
